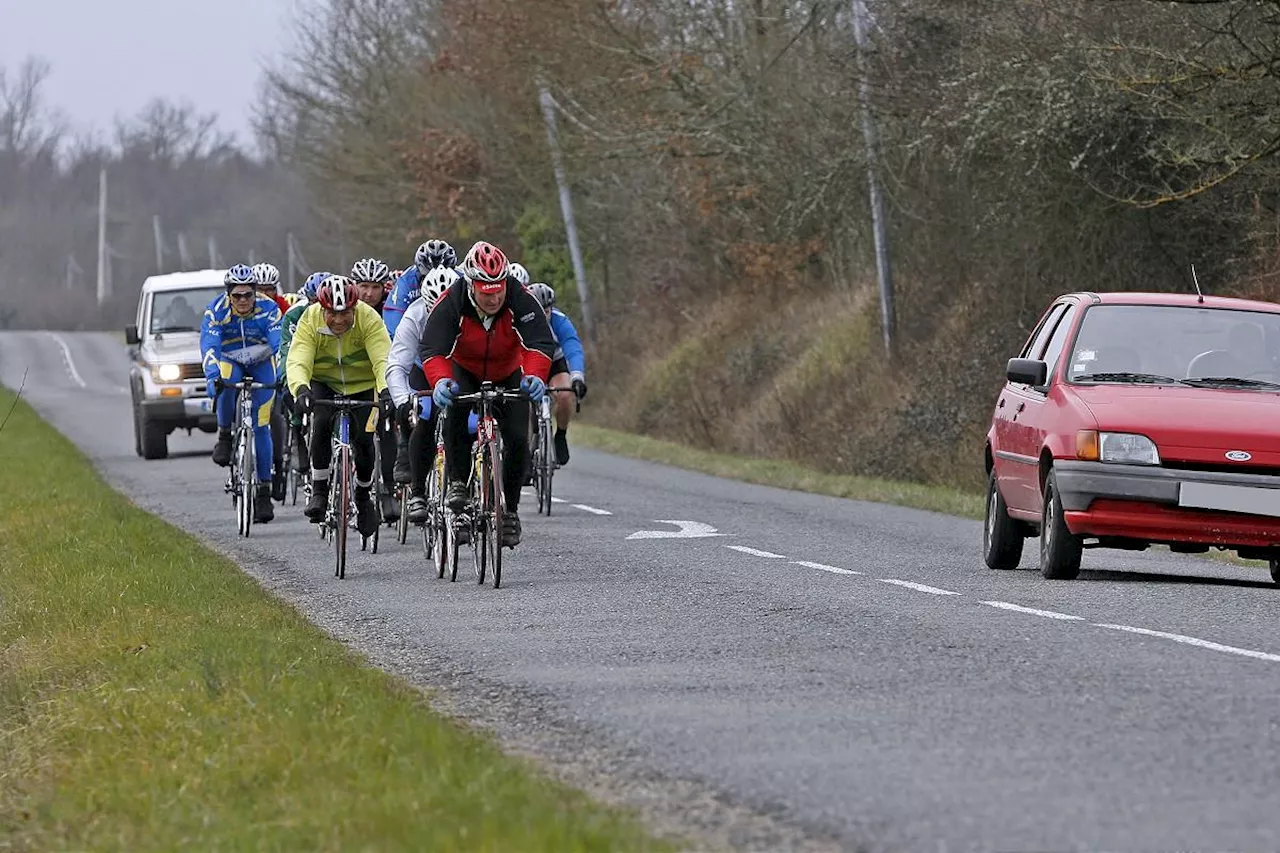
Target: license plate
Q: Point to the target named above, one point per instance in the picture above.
(1215, 496)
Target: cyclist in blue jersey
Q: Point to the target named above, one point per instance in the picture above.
(239, 337)
(568, 367)
(431, 254)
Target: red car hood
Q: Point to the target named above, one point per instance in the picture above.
(1191, 424)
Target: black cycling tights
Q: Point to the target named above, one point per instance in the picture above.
(322, 420)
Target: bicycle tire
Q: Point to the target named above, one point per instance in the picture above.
(343, 513)
(548, 461)
(496, 511)
(249, 463)
(402, 523)
(479, 500)
(451, 545)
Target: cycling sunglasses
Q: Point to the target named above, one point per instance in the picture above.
(243, 294)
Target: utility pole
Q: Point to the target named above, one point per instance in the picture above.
(213, 253)
(883, 270)
(104, 289)
(155, 226)
(566, 210)
(184, 252)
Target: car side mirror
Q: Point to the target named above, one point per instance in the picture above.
(131, 335)
(1027, 371)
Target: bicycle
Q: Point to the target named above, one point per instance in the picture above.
(242, 474)
(341, 511)
(544, 463)
(486, 504)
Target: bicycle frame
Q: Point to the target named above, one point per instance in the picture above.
(341, 509)
(242, 478)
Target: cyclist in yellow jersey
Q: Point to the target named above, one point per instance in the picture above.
(340, 349)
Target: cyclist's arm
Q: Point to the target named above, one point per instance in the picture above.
(302, 352)
(404, 349)
(440, 334)
(567, 335)
(535, 333)
(211, 341)
(287, 330)
(377, 343)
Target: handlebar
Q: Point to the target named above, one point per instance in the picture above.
(243, 385)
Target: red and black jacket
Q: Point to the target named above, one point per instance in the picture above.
(518, 338)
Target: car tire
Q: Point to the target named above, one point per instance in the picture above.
(137, 430)
(1002, 536)
(1274, 564)
(155, 439)
(1060, 549)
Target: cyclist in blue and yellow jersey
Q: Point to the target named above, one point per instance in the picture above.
(239, 338)
(340, 349)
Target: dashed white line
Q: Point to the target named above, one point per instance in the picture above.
(755, 552)
(918, 587)
(1192, 641)
(66, 356)
(1050, 614)
(557, 500)
(835, 570)
(591, 509)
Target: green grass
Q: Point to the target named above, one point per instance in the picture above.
(153, 697)
(784, 475)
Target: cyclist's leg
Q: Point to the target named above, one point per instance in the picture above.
(422, 452)
(457, 441)
(279, 439)
(230, 372)
(513, 422)
(388, 445)
(321, 452)
(409, 455)
(265, 373)
(362, 439)
(562, 404)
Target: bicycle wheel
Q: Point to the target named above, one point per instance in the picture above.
(497, 508)
(479, 501)
(343, 515)
(247, 471)
(548, 462)
(451, 544)
(402, 525)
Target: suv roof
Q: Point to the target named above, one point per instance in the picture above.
(1189, 300)
(183, 280)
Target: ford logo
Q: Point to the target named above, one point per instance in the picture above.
(1239, 456)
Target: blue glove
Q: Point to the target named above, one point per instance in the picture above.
(446, 390)
(211, 388)
(533, 387)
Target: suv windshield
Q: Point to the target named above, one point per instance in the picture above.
(180, 310)
(1188, 344)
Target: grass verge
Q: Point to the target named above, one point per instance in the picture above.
(784, 475)
(153, 697)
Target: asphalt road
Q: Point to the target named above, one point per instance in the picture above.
(849, 671)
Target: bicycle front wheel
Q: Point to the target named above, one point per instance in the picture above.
(247, 470)
(342, 516)
(497, 509)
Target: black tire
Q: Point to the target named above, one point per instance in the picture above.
(496, 509)
(342, 514)
(155, 439)
(1060, 549)
(1274, 564)
(1002, 536)
(248, 467)
(137, 429)
(451, 546)
(402, 523)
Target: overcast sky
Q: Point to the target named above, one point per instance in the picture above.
(109, 57)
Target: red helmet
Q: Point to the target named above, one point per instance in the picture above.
(338, 293)
(486, 267)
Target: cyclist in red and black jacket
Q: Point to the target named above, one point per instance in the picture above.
(487, 328)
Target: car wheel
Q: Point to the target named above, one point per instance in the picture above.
(1059, 548)
(1002, 536)
(1274, 563)
(137, 430)
(155, 439)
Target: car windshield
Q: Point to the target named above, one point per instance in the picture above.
(1214, 347)
(180, 310)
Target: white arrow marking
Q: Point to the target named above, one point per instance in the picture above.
(688, 530)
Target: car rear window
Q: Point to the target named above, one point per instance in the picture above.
(1177, 341)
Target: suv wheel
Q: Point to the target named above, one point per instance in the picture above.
(1002, 536)
(1059, 548)
(137, 430)
(155, 439)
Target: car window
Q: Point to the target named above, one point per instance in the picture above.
(180, 310)
(1036, 345)
(1058, 339)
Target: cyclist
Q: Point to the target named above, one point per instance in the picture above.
(239, 337)
(301, 461)
(372, 277)
(520, 274)
(266, 278)
(431, 254)
(405, 376)
(487, 328)
(568, 368)
(340, 349)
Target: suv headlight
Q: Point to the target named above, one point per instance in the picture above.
(1121, 447)
(167, 372)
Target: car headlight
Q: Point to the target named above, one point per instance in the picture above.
(1121, 447)
(167, 372)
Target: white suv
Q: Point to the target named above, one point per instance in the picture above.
(166, 378)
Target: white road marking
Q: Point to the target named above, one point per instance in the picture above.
(688, 530)
(557, 500)
(918, 587)
(757, 553)
(1051, 614)
(1192, 641)
(823, 567)
(592, 510)
(66, 356)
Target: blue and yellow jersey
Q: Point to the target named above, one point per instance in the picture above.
(224, 336)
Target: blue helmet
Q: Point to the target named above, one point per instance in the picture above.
(312, 284)
(239, 274)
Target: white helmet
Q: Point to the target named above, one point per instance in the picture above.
(519, 273)
(544, 293)
(436, 283)
(265, 275)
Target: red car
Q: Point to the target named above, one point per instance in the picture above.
(1133, 419)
